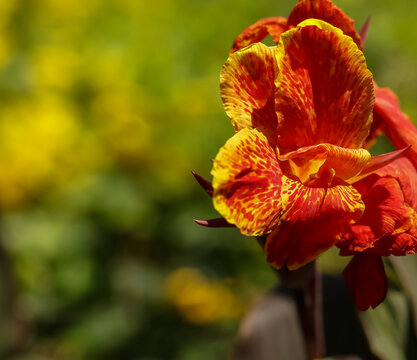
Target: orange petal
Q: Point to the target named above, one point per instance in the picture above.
(317, 165)
(399, 128)
(324, 10)
(385, 212)
(378, 162)
(388, 225)
(404, 171)
(247, 88)
(273, 26)
(366, 281)
(397, 245)
(324, 91)
(313, 220)
(375, 131)
(403, 244)
(357, 239)
(247, 183)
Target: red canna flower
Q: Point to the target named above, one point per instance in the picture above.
(297, 170)
(388, 226)
(301, 112)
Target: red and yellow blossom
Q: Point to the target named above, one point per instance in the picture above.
(389, 224)
(302, 111)
(387, 227)
(297, 170)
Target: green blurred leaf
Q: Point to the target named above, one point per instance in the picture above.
(406, 268)
(386, 327)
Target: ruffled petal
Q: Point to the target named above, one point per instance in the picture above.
(398, 126)
(247, 88)
(247, 183)
(357, 239)
(324, 91)
(385, 214)
(388, 225)
(366, 281)
(404, 171)
(312, 221)
(403, 244)
(397, 245)
(327, 11)
(258, 31)
(317, 165)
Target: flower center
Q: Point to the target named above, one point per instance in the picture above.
(323, 165)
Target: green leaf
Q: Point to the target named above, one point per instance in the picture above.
(406, 268)
(386, 327)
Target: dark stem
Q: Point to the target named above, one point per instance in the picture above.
(311, 313)
(305, 284)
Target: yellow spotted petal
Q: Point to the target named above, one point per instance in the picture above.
(312, 221)
(325, 92)
(247, 183)
(247, 88)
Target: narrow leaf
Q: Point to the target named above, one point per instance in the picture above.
(219, 222)
(204, 183)
(364, 31)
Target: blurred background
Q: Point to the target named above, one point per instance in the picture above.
(105, 107)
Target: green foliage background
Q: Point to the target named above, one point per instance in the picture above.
(105, 107)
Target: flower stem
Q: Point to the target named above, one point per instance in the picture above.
(305, 285)
(312, 308)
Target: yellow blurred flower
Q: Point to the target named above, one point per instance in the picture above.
(62, 10)
(108, 69)
(6, 47)
(7, 8)
(54, 67)
(41, 145)
(118, 121)
(199, 300)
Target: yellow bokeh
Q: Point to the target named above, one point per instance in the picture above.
(199, 300)
(7, 8)
(6, 48)
(55, 67)
(65, 10)
(119, 123)
(41, 145)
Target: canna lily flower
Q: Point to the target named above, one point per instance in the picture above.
(302, 111)
(297, 171)
(388, 226)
